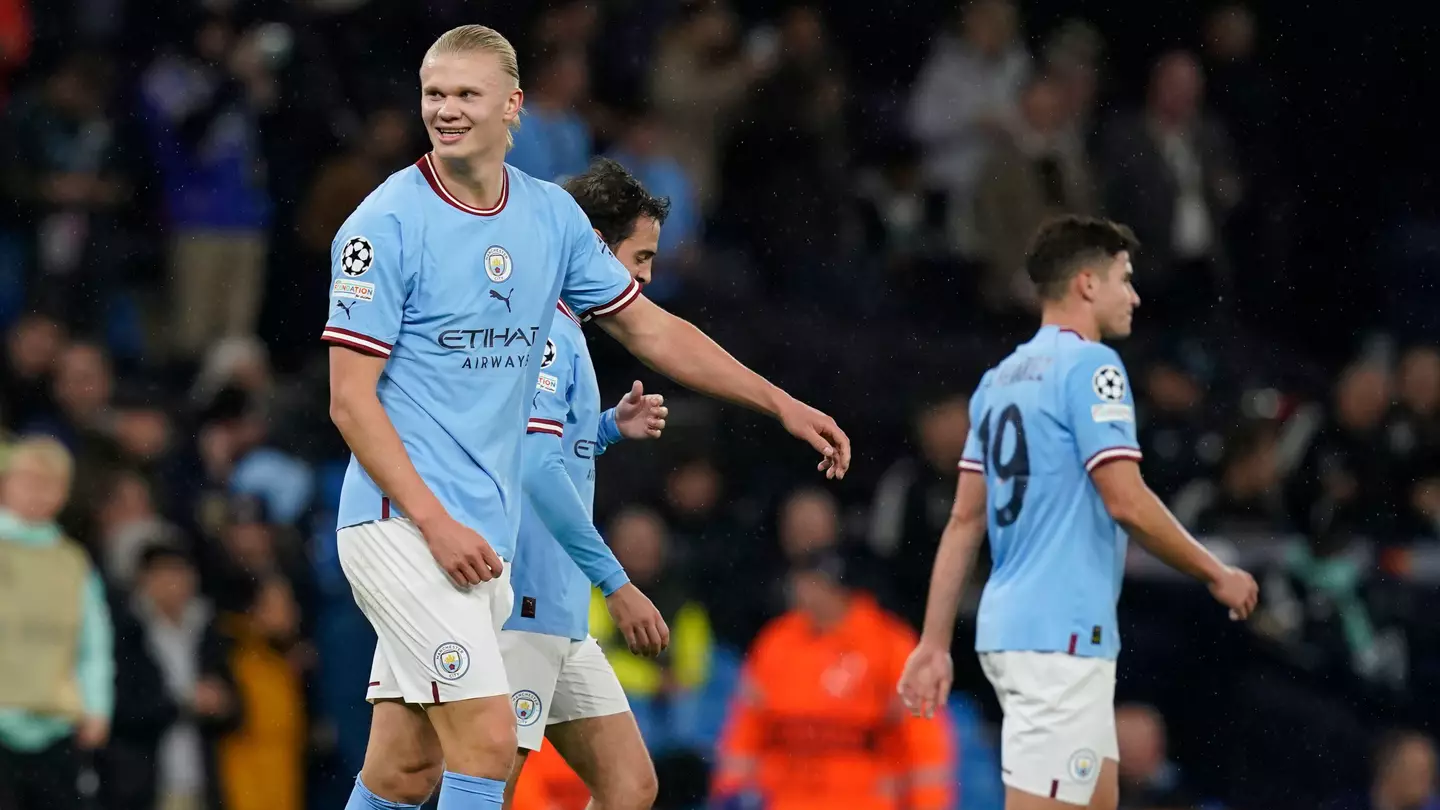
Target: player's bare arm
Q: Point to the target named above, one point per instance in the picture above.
(356, 411)
(925, 683)
(675, 348)
(1131, 502)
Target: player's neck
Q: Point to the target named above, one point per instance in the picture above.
(477, 182)
(1065, 317)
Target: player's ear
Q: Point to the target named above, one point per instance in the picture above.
(513, 105)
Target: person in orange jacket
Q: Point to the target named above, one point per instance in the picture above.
(817, 722)
(549, 783)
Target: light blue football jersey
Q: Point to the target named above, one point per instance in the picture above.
(552, 583)
(1041, 421)
(460, 302)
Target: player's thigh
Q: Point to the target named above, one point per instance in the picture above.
(1107, 789)
(593, 729)
(521, 757)
(532, 666)
(609, 756)
(440, 641)
(1059, 724)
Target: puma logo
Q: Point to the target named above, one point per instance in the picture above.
(346, 307)
(505, 298)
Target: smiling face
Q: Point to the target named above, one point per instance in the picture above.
(469, 102)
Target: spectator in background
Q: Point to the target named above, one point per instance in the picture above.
(66, 167)
(1148, 779)
(788, 197)
(16, 35)
(644, 149)
(1243, 500)
(178, 694)
(1172, 176)
(203, 105)
(711, 542)
(1033, 173)
(57, 676)
(1346, 477)
(1404, 776)
(912, 503)
(963, 100)
(126, 523)
(817, 723)
(272, 735)
(698, 81)
(83, 385)
(386, 146)
(1073, 55)
(1415, 435)
(1176, 425)
(903, 223)
(32, 346)
(554, 141)
(641, 542)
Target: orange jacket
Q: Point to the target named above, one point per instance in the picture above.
(817, 722)
(548, 783)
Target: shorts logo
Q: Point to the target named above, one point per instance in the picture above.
(451, 661)
(357, 256)
(1109, 383)
(1084, 765)
(497, 264)
(527, 707)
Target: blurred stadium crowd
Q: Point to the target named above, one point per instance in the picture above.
(852, 192)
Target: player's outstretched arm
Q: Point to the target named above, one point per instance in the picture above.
(925, 683)
(1135, 506)
(675, 348)
(558, 504)
(356, 411)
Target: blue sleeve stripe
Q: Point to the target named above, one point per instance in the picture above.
(619, 302)
(1110, 454)
(355, 340)
(550, 426)
(970, 465)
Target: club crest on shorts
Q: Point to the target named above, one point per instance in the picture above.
(451, 661)
(497, 263)
(527, 707)
(1084, 765)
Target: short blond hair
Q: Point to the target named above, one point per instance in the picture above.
(481, 39)
(45, 450)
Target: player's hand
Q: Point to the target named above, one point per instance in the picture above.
(820, 432)
(211, 698)
(925, 683)
(638, 620)
(1236, 590)
(640, 415)
(462, 552)
(92, 733)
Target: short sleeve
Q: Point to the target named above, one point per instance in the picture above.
(368, 285)
(973, 458)
(1100, 407)
(550, 404)
(596, 283)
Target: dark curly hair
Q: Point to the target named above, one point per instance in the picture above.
(613, 199)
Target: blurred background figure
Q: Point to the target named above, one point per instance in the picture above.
(1405, 773)
(817, 720)
(57, 682)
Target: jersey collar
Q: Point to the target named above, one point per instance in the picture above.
(426, 165)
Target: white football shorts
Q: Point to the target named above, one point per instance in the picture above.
(435, 641)
(556, 680)
(1059, 721)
